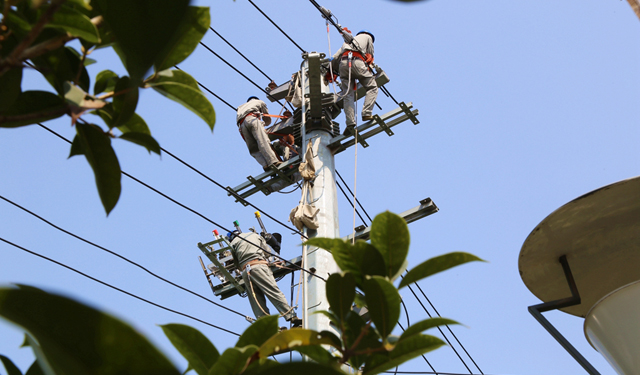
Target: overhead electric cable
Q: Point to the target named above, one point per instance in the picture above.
(240, 53)
(239, 72)
(212, 93)
(423, 357)
(278, 27)
(357, 201)
(225, 189)
(440, 329)
(196, 212)
(116, 288)
(425, 309)
(120, 256)
(454, 335)
(351, 203)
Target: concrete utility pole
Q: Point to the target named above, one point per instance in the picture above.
(323, 195)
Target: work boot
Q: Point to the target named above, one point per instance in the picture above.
(296, 322)
(349, 130)
(367, 118)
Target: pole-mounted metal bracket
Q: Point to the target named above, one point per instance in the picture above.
(537, 310)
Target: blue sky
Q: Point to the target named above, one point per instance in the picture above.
(524, 106)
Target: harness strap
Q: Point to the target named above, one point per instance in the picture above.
(254, 262)
(355, 54)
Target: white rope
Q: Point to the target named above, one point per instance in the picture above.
(355, 167)
(330, 64)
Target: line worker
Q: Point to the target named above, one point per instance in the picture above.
(257, 276)
(252, 124)
(354, 59)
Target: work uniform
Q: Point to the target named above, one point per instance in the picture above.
(259, 280)
(359, 71)
(251, 126)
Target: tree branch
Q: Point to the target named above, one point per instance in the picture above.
(16, 55)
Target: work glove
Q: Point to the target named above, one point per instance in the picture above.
(368, 58)
(329, 77)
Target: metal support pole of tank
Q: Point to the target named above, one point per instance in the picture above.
(325, 197)
(537, 310)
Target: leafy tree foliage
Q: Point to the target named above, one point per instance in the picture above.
(55, 38)
(68, 337)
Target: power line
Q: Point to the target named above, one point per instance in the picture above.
(357, 201)
(116, 288)
(239, 72)
(196, 212)
(425, 309)
(211, 92)
(278, 27)
(440, 329)
(225, 189)
(423, 357)
(121, 257)
(240, 53)
(351, 203)
(462, 346)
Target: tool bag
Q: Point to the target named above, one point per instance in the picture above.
(305, 214)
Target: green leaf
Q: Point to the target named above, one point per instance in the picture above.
(31, 107)
(100, 155)
(35, 369)
(191, 30)
(359, 259)
(404, 351)
(292, 338)
(341, 290)
(329, 314)
(355, 327)
(74, 23)
(144, 140)
(193, 345)
(11, 368)
(383, 301)
(259, 332)
(125, 100)
(10, 87)
(142, 29)
(17, 24)
(77, 148)
(77, 339)
(135, 124)
(302, 368)
(61, 65)
(182, 88)
(435, 265)
(105, 82)
(232, 361)
(317, 353)
(390, 235)
(426, 324)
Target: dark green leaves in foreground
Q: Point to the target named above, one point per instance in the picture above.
(437, 264)
(77, 339)
(95, 145)
(193, 345)
(182, 88)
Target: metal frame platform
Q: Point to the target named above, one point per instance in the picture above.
(340, 143)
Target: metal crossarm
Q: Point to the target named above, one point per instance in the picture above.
(426, 208)
(262, 181)
(378, 125)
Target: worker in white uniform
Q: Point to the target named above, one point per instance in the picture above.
(353, 62)
(252, 124)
